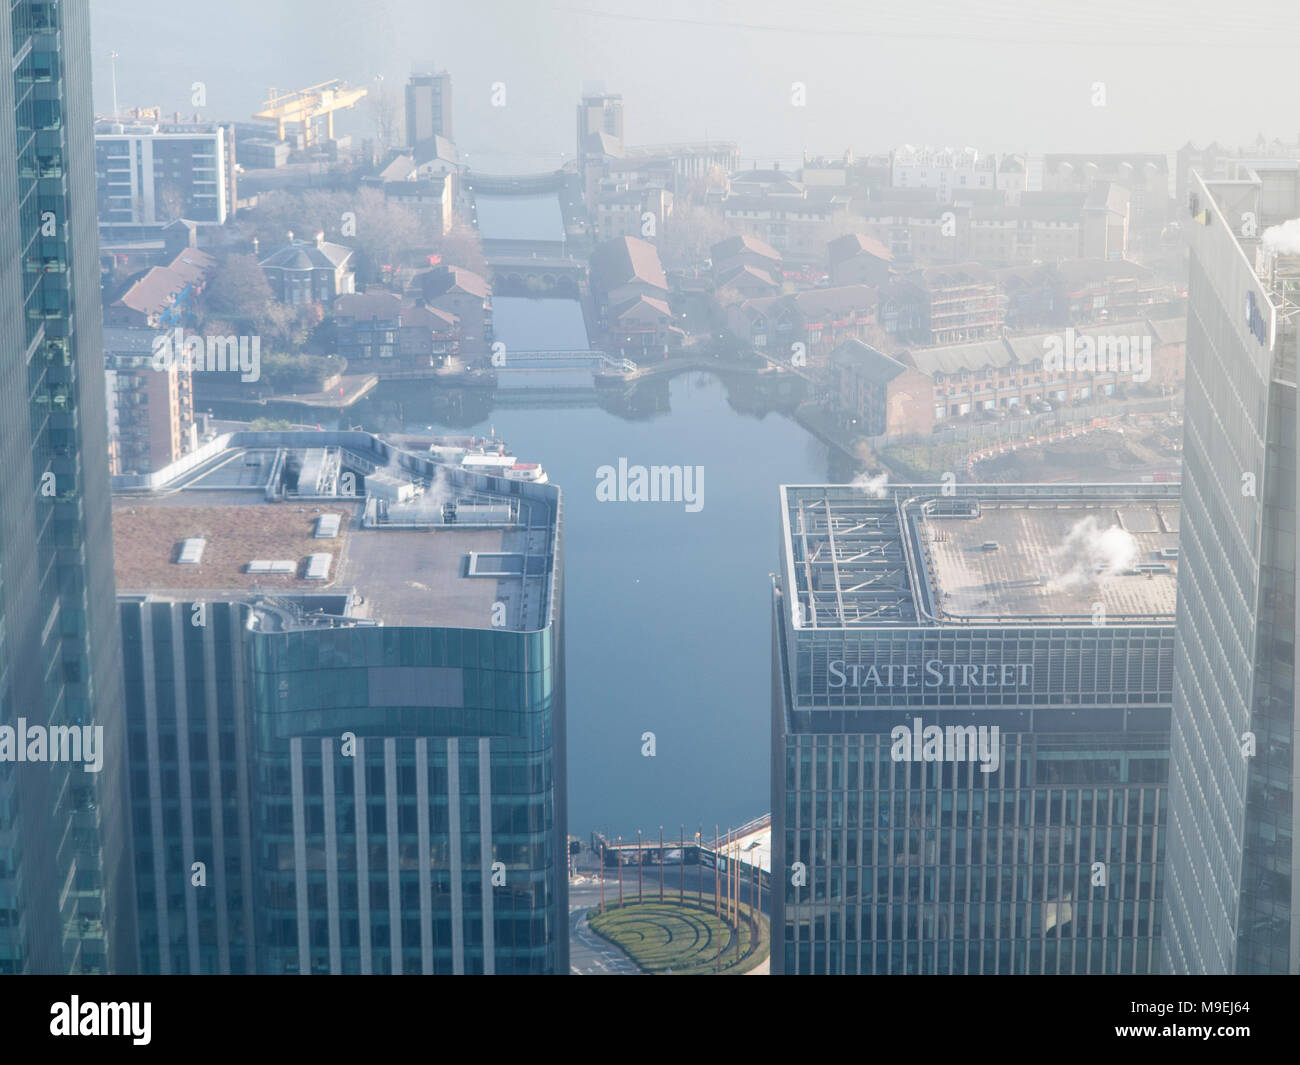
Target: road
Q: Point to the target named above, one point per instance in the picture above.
(589, 955)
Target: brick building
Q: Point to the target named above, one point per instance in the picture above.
(859, 259)
(820, 319)
(309, 271)
(916, 390)
(376, 331)
(464, 294)
(942, 305)
(150, 410)
(877, 393)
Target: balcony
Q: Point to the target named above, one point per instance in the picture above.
(57, 397)
(47, 264)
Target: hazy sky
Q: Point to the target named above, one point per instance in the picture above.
(1001, 75)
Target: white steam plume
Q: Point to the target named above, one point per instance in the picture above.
(872, 485)
(1283, 239)
(1091, 553)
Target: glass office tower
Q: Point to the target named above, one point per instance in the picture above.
(971, 689)
(346, 711)
(65, 890)
(1233, 873)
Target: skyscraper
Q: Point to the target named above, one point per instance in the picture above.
(346, 711)
(65, 874)
(1231, 893)
(970, 715)
(428, 107)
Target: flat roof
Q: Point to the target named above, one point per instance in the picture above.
(1051, 560)
(878, 555)
(527, 325)
(513, 217)
(392, 564)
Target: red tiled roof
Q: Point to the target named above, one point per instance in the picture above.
(851, 244)
(627, 259)
(154, 292)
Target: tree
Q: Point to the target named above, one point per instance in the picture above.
(304, 213)
(384, 109)
(384, 230)
(287, 328)
(462, 246)
(300, 373)
(171, 204)
(689, 234)
(236, 290)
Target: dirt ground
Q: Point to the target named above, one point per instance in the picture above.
(1104, 455)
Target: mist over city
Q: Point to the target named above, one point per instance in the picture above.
(588, 488)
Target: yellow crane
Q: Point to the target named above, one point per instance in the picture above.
(305, 106)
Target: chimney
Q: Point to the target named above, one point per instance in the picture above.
(291, 236)
(320, 238)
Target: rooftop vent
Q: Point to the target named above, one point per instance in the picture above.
(989, 545)
(327, 526)
(318, 566)
(272, 566)
(389, 488)
(1146, 569)
(191, 551)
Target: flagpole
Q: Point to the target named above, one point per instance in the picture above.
(661, 863)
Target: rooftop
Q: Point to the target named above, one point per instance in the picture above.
(624, 261)
(1028, 348)
(524, 217)
(524, 324)
(317, 254)
(851, 244)
(877, 555)
(418, 544)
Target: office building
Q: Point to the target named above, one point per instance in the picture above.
(65, 877)
(345, 687)
(1231, 895)
(970, 727)
(152, 172)
(428, 108)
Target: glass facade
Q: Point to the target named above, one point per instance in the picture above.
(469, 785)
(1233, 872)
(937, 868)
(887, 863)
(65, 891)
(363, 798)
